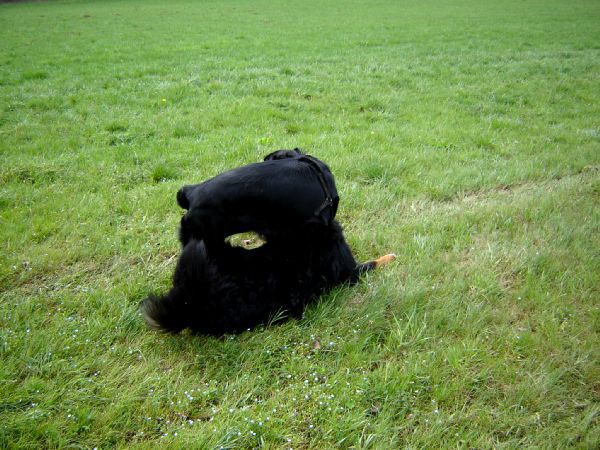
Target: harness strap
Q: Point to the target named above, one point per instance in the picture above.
(328, 202)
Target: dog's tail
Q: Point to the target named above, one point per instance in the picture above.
(164, 313)
(176, 310)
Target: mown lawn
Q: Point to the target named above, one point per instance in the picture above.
(465, 137)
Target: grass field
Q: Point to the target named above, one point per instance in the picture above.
(464, 136)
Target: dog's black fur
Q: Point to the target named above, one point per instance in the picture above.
(286, 190)
(239, 289)
(291, 200)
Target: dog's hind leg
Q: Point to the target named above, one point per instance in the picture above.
(373, 264)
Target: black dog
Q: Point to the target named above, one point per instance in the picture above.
(291, 200)
(239, 289)
(286, 190)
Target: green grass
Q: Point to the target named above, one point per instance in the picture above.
(465, 137)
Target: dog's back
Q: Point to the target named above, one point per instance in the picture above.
(276, 194)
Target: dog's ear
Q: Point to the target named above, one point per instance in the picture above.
(271, 156)
(284, 154)
(182, 197)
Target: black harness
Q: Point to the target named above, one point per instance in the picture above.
(329, 200)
